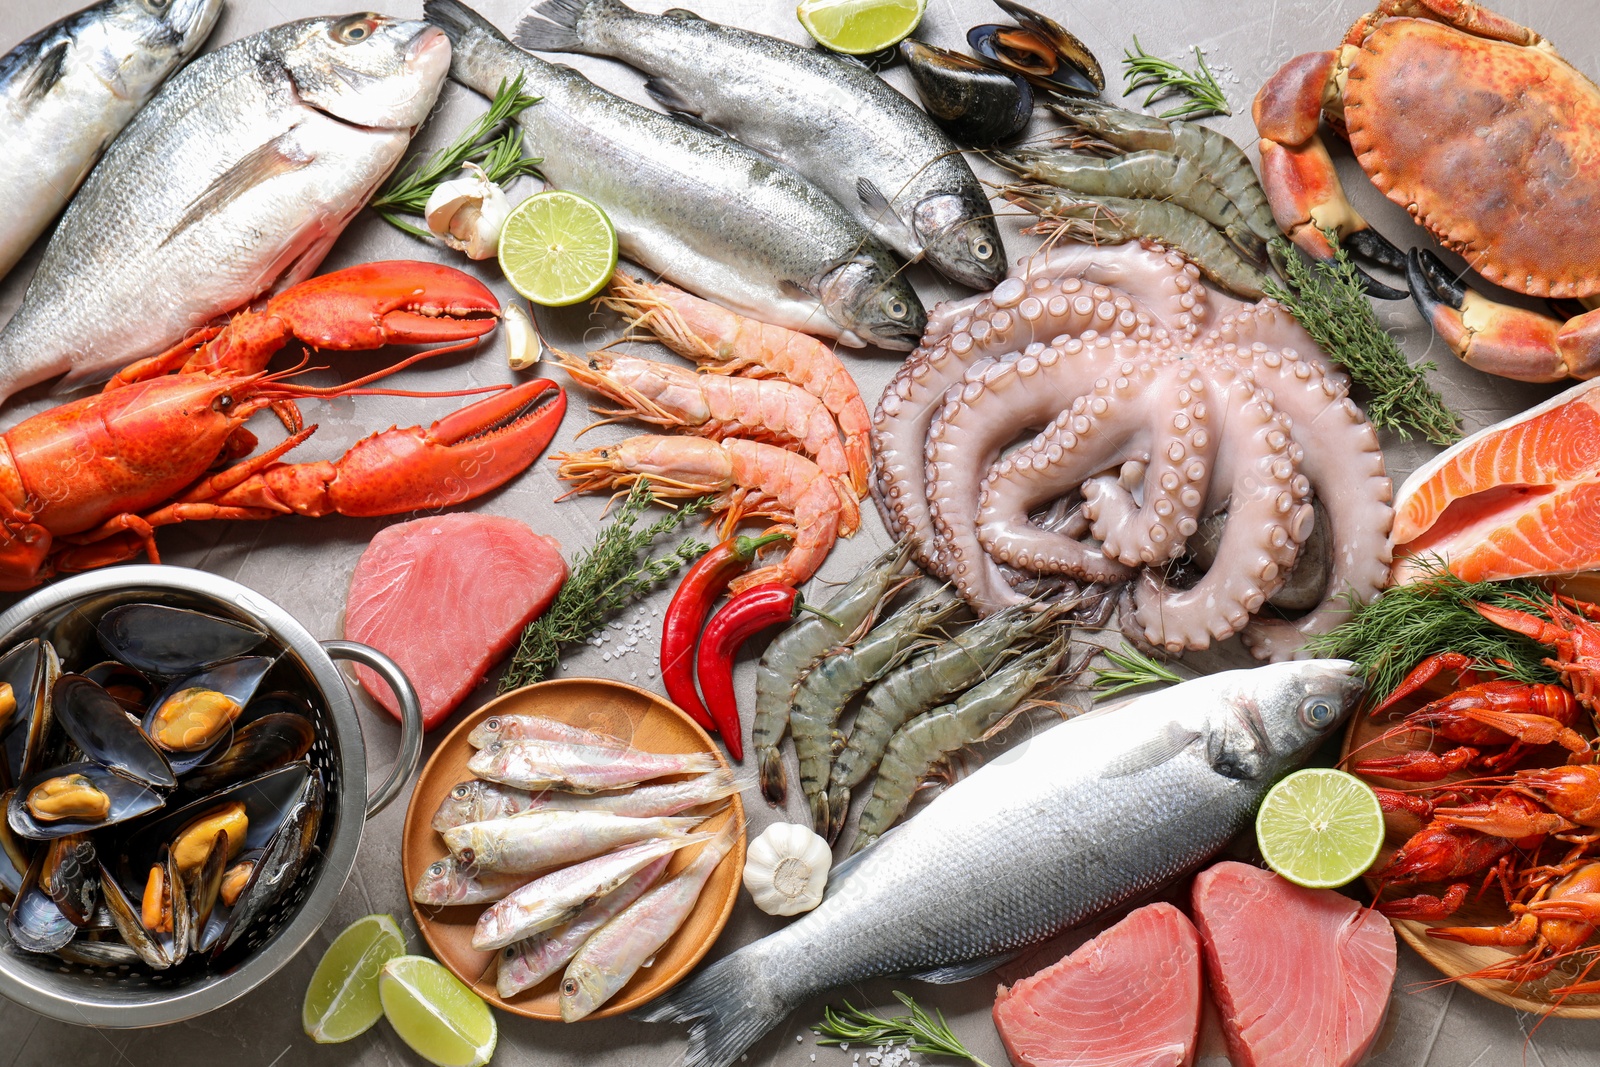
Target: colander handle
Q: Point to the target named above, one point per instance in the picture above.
(410, 718)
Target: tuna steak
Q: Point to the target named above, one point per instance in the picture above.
(1128, 998)
(1513, 500)
(1301, 977)
(483, 576)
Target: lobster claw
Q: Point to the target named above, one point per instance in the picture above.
(395, 302)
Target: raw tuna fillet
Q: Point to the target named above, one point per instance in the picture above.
(1301, 977)
(1129, 998)
(445, 597)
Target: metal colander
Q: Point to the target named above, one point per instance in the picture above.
(134, 995)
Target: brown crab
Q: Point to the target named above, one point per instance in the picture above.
(1490, 139)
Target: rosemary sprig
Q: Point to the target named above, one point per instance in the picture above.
(492, 141)
(1328, 301)
(1433, 614)
(605, 578)
(1131, 669)
(921, 1032)
(1162, 76)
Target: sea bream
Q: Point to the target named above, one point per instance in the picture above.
(715, 217)
(1085, 816)
(69, 89)
(233, 181)
(824, 114)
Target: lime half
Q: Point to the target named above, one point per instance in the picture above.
(558, 248)
(860, 27)
(1320, 827)
(342, 999)
(442, 1020)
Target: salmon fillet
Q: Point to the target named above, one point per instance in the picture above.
(1301, 977)
(445, 597)
(1128, 998)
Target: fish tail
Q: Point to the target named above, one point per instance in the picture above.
(553, 25)
(728, 1007)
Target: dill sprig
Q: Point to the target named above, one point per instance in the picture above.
(1433, 614)
(921, 1032)
(1328, 301)
(603, 579)
(1162, 76)
(492, 141)
(1131, 669)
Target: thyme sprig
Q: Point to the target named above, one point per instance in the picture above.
(492, 141)
(1433, 614)
(922, 1033)
(1163, 77)
(1328, 301)
(1131, 669)
(605, 578)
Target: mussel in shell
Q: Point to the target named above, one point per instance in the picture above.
(171, 642)
(279, 865)
(76, 797)
(156, 924)
(104, 733)
(193, 843)
(70, 877)
(35, 922)
(68, 796)
(260, 745)
(126, 686)
(237, 877)
(198, 711)
(1041, 50)
(30, 669)
(974, 103)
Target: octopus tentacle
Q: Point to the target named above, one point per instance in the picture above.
(1269, 324)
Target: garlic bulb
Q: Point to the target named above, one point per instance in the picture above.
(467, 213)
(523, 347)
(786, 869)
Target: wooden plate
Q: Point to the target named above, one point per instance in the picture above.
(647, 721)
(1453, 959)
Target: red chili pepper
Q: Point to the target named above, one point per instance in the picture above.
(751, 611)
(686, 615)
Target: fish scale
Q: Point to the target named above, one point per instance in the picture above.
(1087, 815)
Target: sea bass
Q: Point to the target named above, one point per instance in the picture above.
(1085, 816)
(718, 218)
(825, 115)
(234, 181)
(68, 90)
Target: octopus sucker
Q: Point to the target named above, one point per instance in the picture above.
(1174, 419)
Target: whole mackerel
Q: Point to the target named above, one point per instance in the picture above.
(702, 210)
(68, 90)
(825, 115)
(234, 181)
(1085, 816)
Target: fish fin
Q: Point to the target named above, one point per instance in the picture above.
(458, 21)
(45, 73)
(729, 1006)
(877, 205)
(662, 92)
(1151, 753)
(846, 866)
(278, 156)
(961, 972)
(552, 25)
(794, 290)
(698, 123)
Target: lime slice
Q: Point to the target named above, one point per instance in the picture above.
(1320, 827)
(558, 248)
(342, 999)
(860, 27)
(442, 1020)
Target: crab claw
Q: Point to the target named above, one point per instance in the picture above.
(1509, 341)
(396, 302)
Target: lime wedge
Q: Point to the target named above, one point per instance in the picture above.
(860, 27)
(442, 1020)
(558, 248)
(1320, 828)
(342, 999)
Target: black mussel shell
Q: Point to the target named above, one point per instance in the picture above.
(70, 876)
(279, 865)
(170, 642)
(268, 799)
(30, 670)
(236, 679)
(202, 891)
(129, 799)
(103, 732)
(260, 745)
(127, 686)
(1065, 43)
(34, 922)
(14, 855)
(99, 952)
(159, 950)
(1033, 57)
(974, 103)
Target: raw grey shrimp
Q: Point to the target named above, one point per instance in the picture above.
(931, 738)
(924, 682)
(794, 652)
(827, 688)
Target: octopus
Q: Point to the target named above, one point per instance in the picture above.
(1160, 409)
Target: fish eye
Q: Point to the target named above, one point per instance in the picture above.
(437, 870)
(461, 791)
(895, 307)
(354, 29)
(569, 987)
(1317, 712)
(156, 5)
(491, 724)
(982, 247)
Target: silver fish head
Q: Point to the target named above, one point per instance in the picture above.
(873, 304)
(463, 804)
(172, 27)
(439, 884)
(1278, 714)
(365, 69)
(960, 239)
(584, 988)
(133, 45)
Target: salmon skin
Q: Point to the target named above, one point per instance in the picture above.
(484, 576)
(1299, 976)
(1518, 499)
(1128, 998)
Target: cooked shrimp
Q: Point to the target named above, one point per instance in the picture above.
(718, 407)
(748, 479)
(725, 343)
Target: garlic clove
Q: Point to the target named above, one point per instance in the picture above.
(786, 869)
(468, 213)
(524, 349)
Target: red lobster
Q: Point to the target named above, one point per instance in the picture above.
(88, 483)
(1568, 626)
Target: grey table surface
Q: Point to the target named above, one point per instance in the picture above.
(305, 564)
